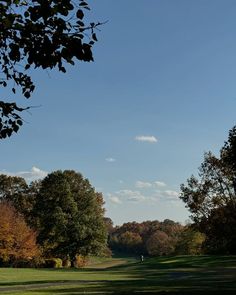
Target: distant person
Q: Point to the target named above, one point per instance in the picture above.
(141, 258)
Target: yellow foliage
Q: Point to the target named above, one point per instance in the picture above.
(17, 240)
(80, 261)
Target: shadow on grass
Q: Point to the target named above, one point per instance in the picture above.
(173, 276)
(139, 286)
(152, 282)
(190, 262)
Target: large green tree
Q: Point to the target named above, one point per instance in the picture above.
(15, 190)
(211, 198)
(69, 216)
(43, 34)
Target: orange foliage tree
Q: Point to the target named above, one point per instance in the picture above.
(17, 240)
(160, 244)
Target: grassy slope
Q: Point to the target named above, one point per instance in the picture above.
(177, 275)
(101, 262)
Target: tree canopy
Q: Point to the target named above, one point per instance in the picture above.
(160, 244)
(69, 216)
(13, 189)
(211, 198)
(43, 34)
(190, 242)
(64, 209)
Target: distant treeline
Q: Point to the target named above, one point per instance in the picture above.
(155, 238)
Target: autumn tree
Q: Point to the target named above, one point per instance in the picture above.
(39, 34)
(130, 242)
(160, 244)
(219, 229)
(190, 242)
(211, 198)
(17, 240)
(69, 216)
(134, 237)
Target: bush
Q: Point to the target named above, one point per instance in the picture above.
(66, 263)
(53, 263)
(80, 261)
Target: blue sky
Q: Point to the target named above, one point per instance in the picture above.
(137, 121)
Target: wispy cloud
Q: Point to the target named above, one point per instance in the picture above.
(130, 195)
(149, 184)
(171, 194)
(146, 191)
(34, 174)
(168, 195)
(146, 138)
(110, 160)
(143, 184)
(159, 183)
(114, 199)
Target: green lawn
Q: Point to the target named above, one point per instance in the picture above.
(172, 275)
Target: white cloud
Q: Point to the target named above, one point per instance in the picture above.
(145, 192)
(143, 184)
(150, 139)
(146, 184)
(159, 183)
(114, 199)
(168, 195)
(5, 172)
(171, 194)
(134, 196)
(34, 174)
(110, 160)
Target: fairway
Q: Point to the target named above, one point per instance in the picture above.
(172, 275)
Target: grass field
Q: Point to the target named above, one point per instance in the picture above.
(172, 275)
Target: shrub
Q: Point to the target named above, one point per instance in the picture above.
(66, 263)
(53, 263)
(80, 261)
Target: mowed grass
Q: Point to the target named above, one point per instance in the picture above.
(165, 275)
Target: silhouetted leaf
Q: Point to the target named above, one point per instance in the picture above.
(19, 122)
(27, 94)
(80, 14)
(83, 3)
(38, 35)
(94, 37)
